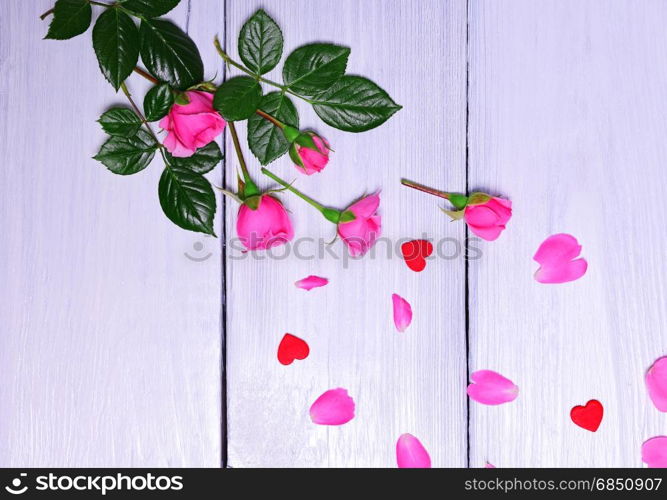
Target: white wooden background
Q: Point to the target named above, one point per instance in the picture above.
(112, 341)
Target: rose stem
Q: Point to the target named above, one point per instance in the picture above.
(145, 74)
(330, 214)
(251, 188)
(425, 189)
(270, 118)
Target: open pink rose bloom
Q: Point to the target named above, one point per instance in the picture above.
(193, 125)
(488, 220)
(360, 234)
(267, 226)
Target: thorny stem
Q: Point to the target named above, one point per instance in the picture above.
(425, 189)
(259, 78)
(251, 188)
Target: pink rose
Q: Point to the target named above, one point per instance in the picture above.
(267, 226)
(361, 233)
(193, 125)
(311, 161)
(487, 220)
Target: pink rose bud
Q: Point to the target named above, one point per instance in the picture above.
(310, 153)
(265, 227)
(361, 233)
(487, 219)
(193, 125)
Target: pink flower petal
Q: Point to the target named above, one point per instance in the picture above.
(555, 257)
(489, 466)
(334, 407)
(656, 383)
(411, 454)
(491, 388)
(402, 312)
(654, 452)
(311, 282)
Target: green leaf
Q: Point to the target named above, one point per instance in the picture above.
(169, 54)
(116, 44)
(158, 102)
(266, 141)
(150, 8)
(354, 104)
(127, 155)
(204, 160)
(314, 68)
(238, 98)
(260, 43)
(70, 18)
(122, 122)
(187, 199)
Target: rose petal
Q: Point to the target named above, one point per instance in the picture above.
(555, 257)
(402, 312)
(411, 454)
(654, 452)
(491, 388)
(311, 282)
(656, 383)
(334, 407)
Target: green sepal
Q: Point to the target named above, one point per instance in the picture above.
(294, 155)
(241, 185)
(291, 133)
(478, 198)
(332, 215)
(252, 202)
(454, 214)
(306, 140)
(458, 200)
(182, 99)
(347, 216)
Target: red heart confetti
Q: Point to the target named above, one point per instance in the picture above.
(588, 417)
(292, 348)
(415, 253)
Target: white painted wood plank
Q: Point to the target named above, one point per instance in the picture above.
(567, 117)
(110, 336)
(412, 382)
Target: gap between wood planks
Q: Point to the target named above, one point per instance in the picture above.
(465, 243)
(224, 453)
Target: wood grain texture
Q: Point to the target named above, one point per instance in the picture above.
(567, 118)
(110, 336)
(411, 382)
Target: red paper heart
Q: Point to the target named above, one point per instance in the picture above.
(588, 417)
(415, 253)
(292, 348)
